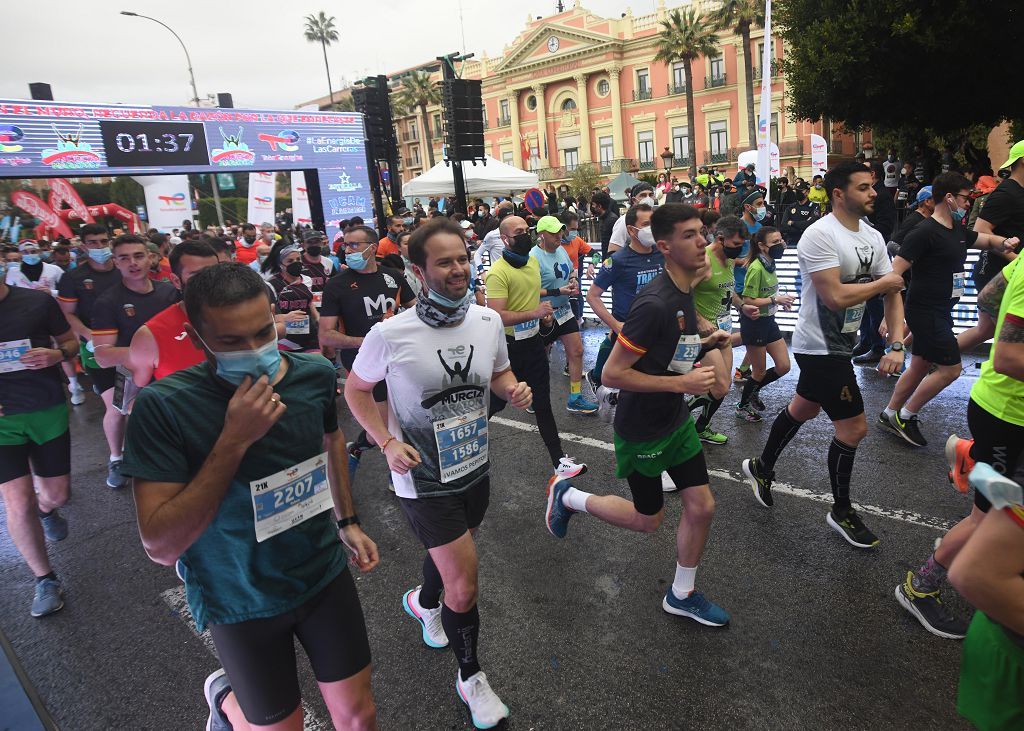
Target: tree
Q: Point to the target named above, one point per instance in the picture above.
(739, 16)
(898, 63)
(320, 29)
(685, 36)
(419, 92)
(584, 179)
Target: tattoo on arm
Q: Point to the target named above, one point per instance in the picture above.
(991, 296)
(1012, 330)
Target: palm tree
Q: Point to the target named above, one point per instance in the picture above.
(419, 92)
(320, 29)
(739, 16)
(686, 37)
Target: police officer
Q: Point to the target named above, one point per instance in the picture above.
(795, 218)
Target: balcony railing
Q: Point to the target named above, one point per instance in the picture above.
(717, 158)
(711, 82)
(410, 137)
(836, 147)
(648, 165)
(642, 95)
(791, 149)
(679, 162)
(673, 89)
(607, 167)
(776, 67)
(502, 122)
(618, 165)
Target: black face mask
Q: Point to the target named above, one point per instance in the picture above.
(314, 250)
(249, 239)
(777, 251)
(731, 252)
(522, 243)
(294, 269)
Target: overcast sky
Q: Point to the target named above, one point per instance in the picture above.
(254, 49)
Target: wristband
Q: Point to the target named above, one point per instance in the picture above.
(386, 443)
(350, 520)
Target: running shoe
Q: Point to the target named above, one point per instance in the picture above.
(760, 481)
(115, 478)
(429, 619)
(667, 485)
(710, 436)
(579, 404)
(565, 371)
(886, 423)
(567, 468)
(530, 410)
(485, 707)
(179, 570)
(756, 402)
(607, 400)
(215, 689)
(929, 610)
(747, 413)
(998, 489)
(696, 607)
(852, 528)
(909, 429)
(49, 598)
(739, 375)
(556, 514)
(958, 455)
(354, 455)
(55, 527)
(77, 394)
(592, 381)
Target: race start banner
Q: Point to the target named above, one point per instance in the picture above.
(168, 200)
(261, 198)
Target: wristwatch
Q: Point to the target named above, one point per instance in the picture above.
(897, 347)
(350, 520)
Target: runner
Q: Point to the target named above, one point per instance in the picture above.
(558, 283)
(762, 336)
(245, 246)
(576, 247)
(357, 299)
(161, 346)
(439, 360)
(294, 300)
(389, 244)
(754, 212)
(843, 263)
(653, 365)
(937, 250)
(712, 296)
(213, 453)
(995, 416)
(513, 291)
(35, 445)
(117, 314)
(318, 267)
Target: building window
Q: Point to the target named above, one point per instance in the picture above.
(775, 127)
(534, 158)
(437, 124)
(572, 159)
(415, 156)
(681, 142)
(717, 77)
(643, 80)
(508, 158)
(412, 130)
(603, 87)
(718, 137)
(569, 105)
(531, 102)
(484, 111)
(678, 77)
(605, 148)
(645, 149)
(503, 109)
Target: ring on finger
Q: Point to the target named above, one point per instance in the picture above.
(274, 399)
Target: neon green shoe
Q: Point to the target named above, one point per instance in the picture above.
(710, 436)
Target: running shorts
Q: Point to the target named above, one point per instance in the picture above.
(648, 495)
(759, 332)
(996, 442)
(933, 336)
(36, 443)
(991, 693)
(829, 381)
(566, 328)
(437, 521)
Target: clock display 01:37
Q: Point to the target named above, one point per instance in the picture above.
(154, 144)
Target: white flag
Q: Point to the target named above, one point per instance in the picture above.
(764, 117)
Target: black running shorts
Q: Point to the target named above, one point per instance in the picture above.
(933, 336)
(566, 328)
(829, 381)
(259, 655)
(759, 332)
(996, 442)
(648, 495)
(102, 379)
(437, 521)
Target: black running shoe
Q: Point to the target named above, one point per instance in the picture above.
(760, 480)
(886, 423)
(852, 528)
(910, 430)
(929, 610)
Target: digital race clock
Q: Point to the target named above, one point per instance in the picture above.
(156, 144)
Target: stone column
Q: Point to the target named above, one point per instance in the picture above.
(584, 110)
(542, 126)
(517, 142)
(614, 72)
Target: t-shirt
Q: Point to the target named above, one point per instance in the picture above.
(620, 237)
(761, 283)
(295, 297)
(555, 268)
(519, 287)
(245, 254)
(28, 314)
(576, 248)
(319, 272)
(1004, 210)
(860, 256)
(938, 255)
(438, 393)
(230, 577)
(662, 329)
(386, 247)
(1001, 395)
(121, 311)
(360, 301)
(45, 277)
(713, 296)
(626, 272)
(83, 285)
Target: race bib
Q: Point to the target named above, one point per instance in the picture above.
(563, 314)
(461, 444)
(10, 355)
(687, 350)
(852, 317)
(290, 497)
(725, 322)
(525, 330)
(299, 327)
(958, 285)
(318, 299)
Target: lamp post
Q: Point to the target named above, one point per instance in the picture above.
(666, 157)
(195, 101)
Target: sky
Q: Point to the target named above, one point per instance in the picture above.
(254, 49)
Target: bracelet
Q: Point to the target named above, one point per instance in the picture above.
(350, 520)
(386, 443)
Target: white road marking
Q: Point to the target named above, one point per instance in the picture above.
(175, 599)
(904, 516)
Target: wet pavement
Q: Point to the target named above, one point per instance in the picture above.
(572, 635)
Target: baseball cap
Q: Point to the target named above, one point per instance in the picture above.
(1016, 153)
(313, 235)
(802, 185)
(924, 194)
(550, 224)
(753, 196)
(466, 223)
(26, 245)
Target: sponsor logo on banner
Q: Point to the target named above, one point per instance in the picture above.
(70, 151)
(10, 133)
(234, 152)
(285, 139)
(344, 183)
(178, 199)
(262, 199)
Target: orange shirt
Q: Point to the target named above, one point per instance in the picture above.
(245, 254)
(575, 248)
(385, 247)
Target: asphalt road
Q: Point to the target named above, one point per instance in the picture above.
(573, 635)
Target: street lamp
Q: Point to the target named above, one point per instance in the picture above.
(666, 157)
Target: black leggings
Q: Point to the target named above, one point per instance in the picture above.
(996, 442)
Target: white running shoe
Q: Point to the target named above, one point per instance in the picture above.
(484, 704)
(568, 468)
(429, 619)
(607, 400)
(77, 394)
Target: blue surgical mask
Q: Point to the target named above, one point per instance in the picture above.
(356, 260)
(30, 259)
(101, 256)
(957, 213)
(233, 366)
(446, 302)
(760, 213)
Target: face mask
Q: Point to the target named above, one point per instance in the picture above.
(731, 252)
(433, 310)
(46, 255)
(776, 251)
(236, 365)
(30, 259)
(956, 212)
(249, 240)
(261, 259)
(440, 299)
(392, 236)
(315, 249)
(407, 221)
(294, 269)
(101, 256)
(817, 186)
(646, 237)
(522, 243)
(760, 213)
(356, 260)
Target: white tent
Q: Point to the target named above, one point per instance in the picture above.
(493, 179)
